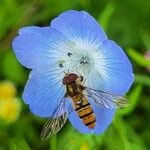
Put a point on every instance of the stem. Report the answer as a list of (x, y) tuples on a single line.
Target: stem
[(53, 143)]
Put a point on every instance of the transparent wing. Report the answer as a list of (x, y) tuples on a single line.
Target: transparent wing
[(55, 123), (106, 99)]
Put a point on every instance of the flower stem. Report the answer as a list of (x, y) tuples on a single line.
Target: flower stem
[(53, 142)]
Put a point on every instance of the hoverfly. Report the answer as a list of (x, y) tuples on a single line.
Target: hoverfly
[(78, 94)]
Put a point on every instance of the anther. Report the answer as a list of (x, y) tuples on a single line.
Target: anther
[(61, 65), (69, 54), (83, 62)]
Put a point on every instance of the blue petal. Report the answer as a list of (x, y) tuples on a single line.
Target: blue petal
[(44, 92), (79, 27), (103, 119), (114, 70), (38, 47)]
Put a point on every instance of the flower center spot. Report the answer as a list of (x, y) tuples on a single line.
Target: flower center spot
[(84, 60), (69, 54), (61, 63)]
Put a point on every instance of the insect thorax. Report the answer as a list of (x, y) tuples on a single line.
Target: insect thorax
[(74, 91)]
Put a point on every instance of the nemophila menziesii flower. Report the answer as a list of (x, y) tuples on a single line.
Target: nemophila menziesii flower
[(73, 43)]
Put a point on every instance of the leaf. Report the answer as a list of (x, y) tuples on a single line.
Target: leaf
[(12, 69), (133, 101), (146, 40), (18, 144), (138, 58), (106, 15), (126, 135), (142, 79)]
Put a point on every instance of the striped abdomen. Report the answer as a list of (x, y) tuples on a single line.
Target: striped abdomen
[(85, 112)]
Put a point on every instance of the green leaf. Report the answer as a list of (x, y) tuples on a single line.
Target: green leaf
[(146, 40), (18, 144), (133, 101), (126, 137), (142, 79), (12, 69), (138, 58), (106, 15), (116, 134)]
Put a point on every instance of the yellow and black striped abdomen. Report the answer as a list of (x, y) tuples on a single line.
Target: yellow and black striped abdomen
[(85, 112)]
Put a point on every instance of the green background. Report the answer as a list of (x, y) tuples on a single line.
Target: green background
[(125, 21)]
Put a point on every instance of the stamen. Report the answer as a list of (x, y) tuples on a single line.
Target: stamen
[(84, 60), (69, 54), (61, 65)]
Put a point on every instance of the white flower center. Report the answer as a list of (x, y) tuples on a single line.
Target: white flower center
[(86, 59), (80, 59)]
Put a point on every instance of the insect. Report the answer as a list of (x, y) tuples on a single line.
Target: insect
[(79, 94)]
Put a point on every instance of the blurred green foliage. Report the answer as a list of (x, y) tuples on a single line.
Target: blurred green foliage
[(127, 22)]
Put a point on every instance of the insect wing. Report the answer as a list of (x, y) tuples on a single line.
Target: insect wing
[(106, 99), (55, 123)]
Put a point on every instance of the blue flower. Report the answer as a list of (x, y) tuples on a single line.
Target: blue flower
[(74, 41)]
